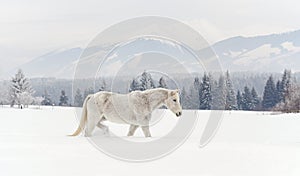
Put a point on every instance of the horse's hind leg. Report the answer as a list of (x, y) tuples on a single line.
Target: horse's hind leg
[(91, 124), (132, 129), (103, 127), (146, 131)]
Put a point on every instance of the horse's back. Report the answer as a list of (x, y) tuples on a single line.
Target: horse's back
[(114, 106)]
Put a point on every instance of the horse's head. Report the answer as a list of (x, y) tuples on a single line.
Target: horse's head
[(172, 102)]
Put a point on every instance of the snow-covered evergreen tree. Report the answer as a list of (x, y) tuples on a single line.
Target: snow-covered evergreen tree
[(38, 101), (4, 95), (269, 95), (278, 92), (194, 99), (63, 100), (255, 98), (78, 99), (20, 90), (219, 94), (143, 82), (135, 85), (146, 81), (247, 101), (292, 101), (205, 93), (230, 102), (185, 99), (197, 84), (87, 92), (285, 85), (162, 83), (46, 99), (239, 100), (214, 94), (25, 98), (102, 85)]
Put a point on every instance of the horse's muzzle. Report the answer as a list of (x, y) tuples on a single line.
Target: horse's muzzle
[(178, 114)]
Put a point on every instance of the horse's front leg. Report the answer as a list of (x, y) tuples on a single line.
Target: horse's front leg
[(145, 126), (103, 127), (132, 129)]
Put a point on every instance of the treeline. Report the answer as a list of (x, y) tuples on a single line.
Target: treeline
[(273, 94), (77, 100), (207, 92), (212, 94), (281, 95), (19, 91), (142, 82)]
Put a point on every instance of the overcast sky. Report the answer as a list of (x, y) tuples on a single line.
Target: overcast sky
[(29, 28)]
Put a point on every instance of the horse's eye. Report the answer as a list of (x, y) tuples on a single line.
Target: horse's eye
[(174, 100)]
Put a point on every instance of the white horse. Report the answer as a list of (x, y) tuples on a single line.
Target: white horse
[(134, 109)]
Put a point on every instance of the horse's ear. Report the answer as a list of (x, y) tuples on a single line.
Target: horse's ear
[(174, 92)]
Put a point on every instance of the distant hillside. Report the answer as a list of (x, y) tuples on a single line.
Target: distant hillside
[(54, 64), (267, 53)]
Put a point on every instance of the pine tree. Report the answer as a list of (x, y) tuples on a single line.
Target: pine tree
[(4, 96), (194, 99), (135, 85), (269, 95), (292, 101), (205, 93), (230, 102), (78, 99), (197, 84), (38, 101), (278, 92), (285, 85), (247, 101), (219, 97), (185, 99), (214, 94), (143, 82), (239, 100), (147, 81), (25, 98), (162, 83), (63, 100), (20, 90), (255, 98), (102, 86), (46, 99), (87, 92)]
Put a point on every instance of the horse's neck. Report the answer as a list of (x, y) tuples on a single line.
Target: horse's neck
[(156, 98)]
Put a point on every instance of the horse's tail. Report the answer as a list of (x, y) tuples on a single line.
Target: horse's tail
[(83, 117)]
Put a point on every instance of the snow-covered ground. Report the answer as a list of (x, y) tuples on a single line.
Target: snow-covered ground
[(34, 142)]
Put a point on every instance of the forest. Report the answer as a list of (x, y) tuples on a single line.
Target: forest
[(209, 91)]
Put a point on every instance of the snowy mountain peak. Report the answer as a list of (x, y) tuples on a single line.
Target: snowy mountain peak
[(265, 53), (270, 53)]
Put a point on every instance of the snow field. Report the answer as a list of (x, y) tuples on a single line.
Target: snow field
[(34, 142)]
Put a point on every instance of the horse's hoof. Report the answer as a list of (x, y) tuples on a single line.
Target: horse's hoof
[(87, 135)]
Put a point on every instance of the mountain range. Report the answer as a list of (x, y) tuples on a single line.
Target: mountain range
[(265, 53)]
